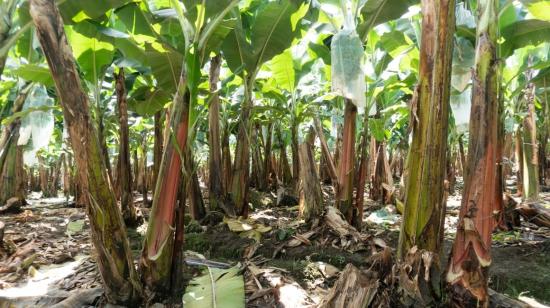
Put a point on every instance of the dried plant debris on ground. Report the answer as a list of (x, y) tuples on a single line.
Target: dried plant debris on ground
[(46, 257)]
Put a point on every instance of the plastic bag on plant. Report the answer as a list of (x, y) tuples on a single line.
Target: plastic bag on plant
[(348, 77), (37, 126)]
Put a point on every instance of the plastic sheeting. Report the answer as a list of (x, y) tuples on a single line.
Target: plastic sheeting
[(37, 126), (348, 77)]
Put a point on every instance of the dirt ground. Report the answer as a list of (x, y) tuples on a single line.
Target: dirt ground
[(47, 256)]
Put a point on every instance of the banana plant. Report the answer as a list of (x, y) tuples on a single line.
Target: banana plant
[(424, 207), (351, 22), (470, 257), (259, 36), (12, 26), (296, 82), (162, 251), (522, 106)]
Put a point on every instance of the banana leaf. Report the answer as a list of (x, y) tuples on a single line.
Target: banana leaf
[(216, 288)]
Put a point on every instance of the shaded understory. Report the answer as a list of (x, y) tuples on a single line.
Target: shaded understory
[(61, 259)]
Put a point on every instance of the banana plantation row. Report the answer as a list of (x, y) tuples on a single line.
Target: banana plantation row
[(283, 96)]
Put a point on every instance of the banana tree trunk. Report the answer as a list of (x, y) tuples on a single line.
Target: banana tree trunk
[(346, 168), (124, 172), (338, 146), (499, 210), (196, 203), (21, 178), (284, 167), (451, 173), (66, 177), (267, 157), (7, 133), (519, 160), (543, 142), (295, 153), (424, 206), (508, 153), (135, 169), (381, 177), (114, 257), (331, 168), (43, 175), (462, 153), (241, 166), (257, 178), (311, 196), (546, 134), (156, 256), (54, 177), (10, 174), (32, 179), (471, 253), (226, 162), (215, 185), (157, 147), (179, 240), (530, 150), (103, 144), (143, 171), (546, 163), (362, 174)]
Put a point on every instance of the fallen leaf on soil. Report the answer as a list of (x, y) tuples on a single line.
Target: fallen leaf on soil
[(326, 269), (247, 227), (74, 227), (300, 239), (353, 289)]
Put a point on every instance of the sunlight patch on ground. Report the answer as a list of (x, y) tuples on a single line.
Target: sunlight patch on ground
[(453, 202), (265, 214), (43, 279), (386, 215), (35, 199), (290, 294), (451, 221)]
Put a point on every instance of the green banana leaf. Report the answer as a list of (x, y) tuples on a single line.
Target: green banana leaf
[(216, 288)]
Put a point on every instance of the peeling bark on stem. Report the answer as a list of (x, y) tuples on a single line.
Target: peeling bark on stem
[(11, 160), (124, 174), (346, 168), (326, 151), (196, 203), (226, 163), (11, 173), (426, 163), (311, 200), (114, 256), (215, 185), (470, 259), (158, 247), (425, 197), (157, 147), (295, 154), (363, 168), (6, 135), (241, 166), (285, 175), (530, 150), (267, 157), (463, 160), (179, 239)]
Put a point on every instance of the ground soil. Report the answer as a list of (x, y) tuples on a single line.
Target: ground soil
[(62, 260)]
